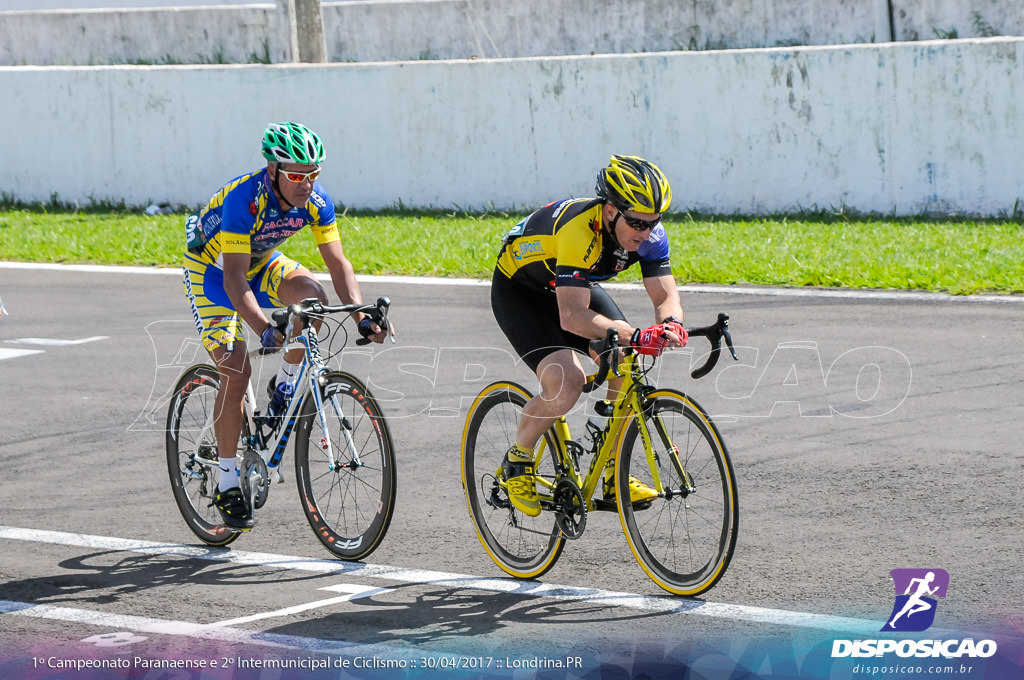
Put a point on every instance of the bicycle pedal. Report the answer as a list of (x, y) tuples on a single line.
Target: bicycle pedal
[(608, 505)]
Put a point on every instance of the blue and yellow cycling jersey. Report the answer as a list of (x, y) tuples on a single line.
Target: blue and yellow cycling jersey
[(565, 244), (245, 217)]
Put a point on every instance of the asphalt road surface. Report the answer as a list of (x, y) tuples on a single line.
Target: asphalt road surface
[(869, 433)]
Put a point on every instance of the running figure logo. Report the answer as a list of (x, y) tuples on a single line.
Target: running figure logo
[(914, 609)]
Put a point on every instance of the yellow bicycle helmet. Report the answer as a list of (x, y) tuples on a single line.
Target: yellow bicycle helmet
[(631, 183)]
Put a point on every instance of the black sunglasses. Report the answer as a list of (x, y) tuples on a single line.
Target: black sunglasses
[(639, 224)]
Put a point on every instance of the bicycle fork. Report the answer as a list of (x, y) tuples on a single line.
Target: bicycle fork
[(670, 450), (346, 431)]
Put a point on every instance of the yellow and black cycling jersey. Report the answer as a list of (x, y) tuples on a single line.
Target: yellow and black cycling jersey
[(565, 244)]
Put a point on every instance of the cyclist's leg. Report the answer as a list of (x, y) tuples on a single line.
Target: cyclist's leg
[(282, 282), (234, 369), (222, 334), (530, 320), (561, 379)]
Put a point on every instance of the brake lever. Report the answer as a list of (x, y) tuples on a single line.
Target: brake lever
[(609, 354), (383, 305), (728, 343), (719, 330), (613, 353)]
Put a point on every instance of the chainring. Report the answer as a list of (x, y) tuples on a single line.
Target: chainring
[(254, 479), (570, 509)]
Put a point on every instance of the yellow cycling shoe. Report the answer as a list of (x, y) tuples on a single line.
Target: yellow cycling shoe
[(520, 483), (638, 491)]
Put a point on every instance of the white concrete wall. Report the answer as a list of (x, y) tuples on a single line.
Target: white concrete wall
[(928, 19), (902, 127), (187, 35), (452, 29), (361, 31)]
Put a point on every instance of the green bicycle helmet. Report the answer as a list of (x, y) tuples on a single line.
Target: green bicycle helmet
[(631, 183), (292, 143)]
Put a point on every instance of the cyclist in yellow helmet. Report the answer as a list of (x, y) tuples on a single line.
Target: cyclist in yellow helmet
[(233, 270), (547, 298)]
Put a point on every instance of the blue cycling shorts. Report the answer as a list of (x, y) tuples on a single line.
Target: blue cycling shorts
[(216, 319)]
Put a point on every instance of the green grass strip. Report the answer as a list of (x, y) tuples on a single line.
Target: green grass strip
[(959, 256)]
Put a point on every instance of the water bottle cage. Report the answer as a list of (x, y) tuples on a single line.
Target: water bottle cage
[(595, 433)]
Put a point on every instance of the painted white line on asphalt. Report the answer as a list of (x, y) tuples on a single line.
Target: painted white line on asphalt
[(54, 342), (90, 268), (838, 293), (140, 624), (353, 592), (757, 615), (13, 353)]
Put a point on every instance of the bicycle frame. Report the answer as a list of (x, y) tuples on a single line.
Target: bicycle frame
[(271, 445), (346, 489), (630, 401), (679, 524)]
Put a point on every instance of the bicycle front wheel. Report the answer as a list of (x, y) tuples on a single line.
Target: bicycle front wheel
[(347, 487), (685, 538), (523, 546), (192, 454)]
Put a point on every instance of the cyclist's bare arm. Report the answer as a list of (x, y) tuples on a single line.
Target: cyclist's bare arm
[(343, 277), (236, 265), (665, 297)]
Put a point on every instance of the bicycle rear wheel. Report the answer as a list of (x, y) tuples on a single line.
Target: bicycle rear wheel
[(192, 454), (349, 500), (684, 539), (523, 546)]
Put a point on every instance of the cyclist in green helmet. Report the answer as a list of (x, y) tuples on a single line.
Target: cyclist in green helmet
[(233, 271)]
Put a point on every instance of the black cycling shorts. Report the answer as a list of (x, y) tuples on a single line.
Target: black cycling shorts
[(529, 319)]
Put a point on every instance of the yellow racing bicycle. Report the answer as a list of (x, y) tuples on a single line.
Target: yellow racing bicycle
[(683, 539)]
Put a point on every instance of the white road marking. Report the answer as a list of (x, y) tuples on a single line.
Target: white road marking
[(13, 353), (841, 293), (757, 615), (354, 592), (140, 624), (53, 342)]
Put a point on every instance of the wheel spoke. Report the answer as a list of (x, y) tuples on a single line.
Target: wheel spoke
[(522, 546), (189, 439), (683, 542), (350, 506)]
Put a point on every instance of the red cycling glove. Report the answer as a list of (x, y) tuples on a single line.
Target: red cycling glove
[(650, 341), (678, 329)]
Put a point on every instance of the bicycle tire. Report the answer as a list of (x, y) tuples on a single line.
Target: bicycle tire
[(349, 505), (195, 485), (524, 547), (684, 543)]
